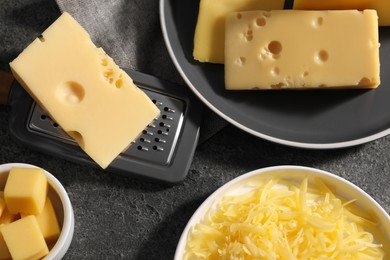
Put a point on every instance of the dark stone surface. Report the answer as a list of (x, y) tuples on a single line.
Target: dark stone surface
[(123, 218)]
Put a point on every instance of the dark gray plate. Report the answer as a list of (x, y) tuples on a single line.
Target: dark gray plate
[(310, 119)]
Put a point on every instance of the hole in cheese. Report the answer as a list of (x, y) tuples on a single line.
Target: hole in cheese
[(322, 56), (41, 38), (78, 137), (241, 61), (267, 14), (275, 47), (318, 22), (239, 16), (305, 74), (118, 83), (260, 22), (365, 82), (275, 71), (70, 92)]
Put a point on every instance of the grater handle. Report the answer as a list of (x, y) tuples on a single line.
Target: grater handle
[(6, 80)]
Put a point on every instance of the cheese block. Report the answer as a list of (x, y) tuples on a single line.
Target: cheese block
[(210, 28), (26, 190), (24, 239), (293, 49), (83, 90), (382, 7), (48, 222)]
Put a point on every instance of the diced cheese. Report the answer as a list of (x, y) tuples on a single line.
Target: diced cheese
[(25, 190), (83, 90), (4, 252), (24, 239), (7, 217), (210, 27), (48, 222), (277, 219), (2, 203), (382, 6), (293, 49)]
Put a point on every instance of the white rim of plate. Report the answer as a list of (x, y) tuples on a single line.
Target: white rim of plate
[(247, 129)]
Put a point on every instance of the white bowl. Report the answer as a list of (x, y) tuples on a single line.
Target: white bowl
[(61, 204), (340, 187)]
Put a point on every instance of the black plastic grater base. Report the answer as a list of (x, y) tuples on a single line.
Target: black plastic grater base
[(163, 152)]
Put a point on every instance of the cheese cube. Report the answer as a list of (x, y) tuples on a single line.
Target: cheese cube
[(7, 217), (210, 28), (382, 7), (24, 239), (4, 252), (83, 90), (292, 49), (25, 190), (2, 203), (48, 223)]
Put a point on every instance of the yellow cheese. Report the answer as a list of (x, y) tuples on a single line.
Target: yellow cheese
[(25, 190), (7, 217), (278, 219), (48, 223), (293, 49), (331, 4), (83, 90), (4, 252), (382, 6), (2, 203), (210, 27), (24, 239)]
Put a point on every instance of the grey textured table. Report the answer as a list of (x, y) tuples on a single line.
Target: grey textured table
[(123, 218)]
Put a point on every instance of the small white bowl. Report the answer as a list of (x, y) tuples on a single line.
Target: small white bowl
[(339, 186), (61, 204)]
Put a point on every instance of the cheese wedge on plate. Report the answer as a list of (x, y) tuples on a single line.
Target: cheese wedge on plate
[(210, 27), (382, 7), (293, 49), (83, 90)]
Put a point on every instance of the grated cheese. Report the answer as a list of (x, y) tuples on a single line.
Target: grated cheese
[(280, 220)]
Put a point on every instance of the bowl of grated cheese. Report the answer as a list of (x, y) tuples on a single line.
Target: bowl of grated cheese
[(287, 212)]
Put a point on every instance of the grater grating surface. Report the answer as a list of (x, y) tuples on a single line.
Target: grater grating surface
[(163, 152), (155, 144)]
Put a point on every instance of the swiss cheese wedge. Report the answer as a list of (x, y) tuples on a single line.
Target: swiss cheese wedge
[(83, 90)]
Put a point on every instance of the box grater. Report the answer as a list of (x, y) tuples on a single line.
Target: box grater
[(163, 152)]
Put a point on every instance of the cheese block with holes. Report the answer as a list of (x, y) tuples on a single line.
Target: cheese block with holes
[(382, 7), (292, 49), (210, 28), (83, 90)]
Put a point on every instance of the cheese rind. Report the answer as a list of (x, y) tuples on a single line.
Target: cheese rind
[(83, 90), (382, 7), (25, 190), (210, 28), (24, 239), (292, 49)]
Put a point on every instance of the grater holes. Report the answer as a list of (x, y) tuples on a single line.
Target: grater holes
[(43, 117), (142, 148), (168, 109), (158, 148), (55, 125), (162, 124), (165, 117)]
